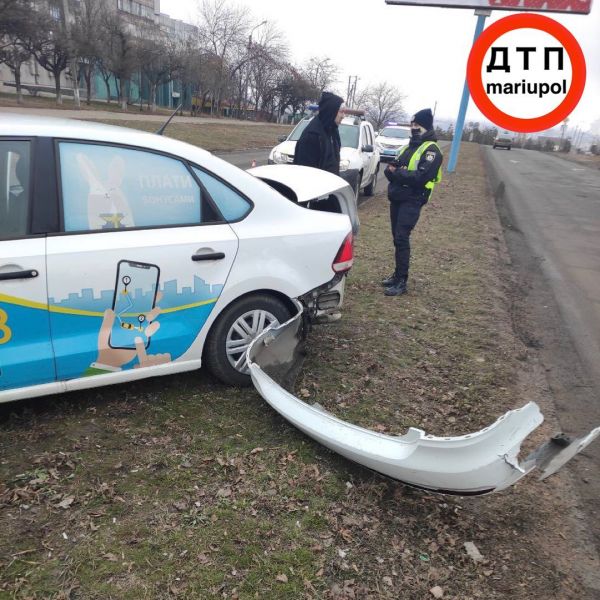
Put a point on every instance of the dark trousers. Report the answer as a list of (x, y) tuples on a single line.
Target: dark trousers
[(403, 217)]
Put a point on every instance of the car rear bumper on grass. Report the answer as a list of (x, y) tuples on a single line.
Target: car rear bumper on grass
[(478, 463)]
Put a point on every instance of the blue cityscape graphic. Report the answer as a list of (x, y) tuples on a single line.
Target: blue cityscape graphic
[(171, 298)]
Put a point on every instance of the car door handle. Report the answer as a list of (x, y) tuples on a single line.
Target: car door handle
[(19, 275), (208, 256)]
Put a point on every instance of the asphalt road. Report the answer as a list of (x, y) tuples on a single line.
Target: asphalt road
[(556, 205), (550, 209)]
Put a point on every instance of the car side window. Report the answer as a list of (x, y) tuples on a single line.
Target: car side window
[(233, 207), (110, 187), (15, 162)]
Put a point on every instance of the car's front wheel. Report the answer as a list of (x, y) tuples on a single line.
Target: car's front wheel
[(234, 330)]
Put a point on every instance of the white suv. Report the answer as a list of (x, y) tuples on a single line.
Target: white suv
[(359, 158)]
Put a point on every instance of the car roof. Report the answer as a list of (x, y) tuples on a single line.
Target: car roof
[(37, 126)]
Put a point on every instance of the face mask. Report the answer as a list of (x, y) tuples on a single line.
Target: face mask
[(415, 132)]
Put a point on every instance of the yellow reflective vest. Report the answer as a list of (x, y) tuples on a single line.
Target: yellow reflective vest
[(413, 163)]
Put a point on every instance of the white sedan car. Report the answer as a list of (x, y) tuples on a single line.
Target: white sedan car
[(390, 140), (125, 255)]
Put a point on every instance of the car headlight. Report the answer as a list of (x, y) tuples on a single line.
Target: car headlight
[(278, 157), (344, 164)]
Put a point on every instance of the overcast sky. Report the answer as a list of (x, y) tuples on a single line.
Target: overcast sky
[(423, 51)]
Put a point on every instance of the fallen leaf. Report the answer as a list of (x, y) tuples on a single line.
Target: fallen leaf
[(111, 557), (282, 577), (257, 450), (66, 502), (437, 592), (473, 552), (387, 581)]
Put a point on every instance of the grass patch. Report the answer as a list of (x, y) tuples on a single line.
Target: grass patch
[(178, 487), (214, 136)]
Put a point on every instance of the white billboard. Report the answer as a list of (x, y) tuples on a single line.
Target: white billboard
[(581, 7)]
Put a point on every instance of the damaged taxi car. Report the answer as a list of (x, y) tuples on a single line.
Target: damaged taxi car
[(476, 463), (126, 255)]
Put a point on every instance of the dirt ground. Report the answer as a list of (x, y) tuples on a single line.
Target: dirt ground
[(179, 487)]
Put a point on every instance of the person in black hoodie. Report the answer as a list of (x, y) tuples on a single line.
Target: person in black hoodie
[(412, 177), (319, 145)]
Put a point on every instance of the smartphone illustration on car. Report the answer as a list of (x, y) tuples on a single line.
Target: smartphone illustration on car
[(135, 296)]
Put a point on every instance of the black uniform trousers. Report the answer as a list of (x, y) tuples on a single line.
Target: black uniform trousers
[(404, 216)]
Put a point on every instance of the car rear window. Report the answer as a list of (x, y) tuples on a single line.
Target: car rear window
[(233, 207)]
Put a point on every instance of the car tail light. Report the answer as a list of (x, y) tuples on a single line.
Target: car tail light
[(345, 256)]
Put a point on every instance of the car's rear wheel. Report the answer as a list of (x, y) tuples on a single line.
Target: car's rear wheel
[(234, 330)]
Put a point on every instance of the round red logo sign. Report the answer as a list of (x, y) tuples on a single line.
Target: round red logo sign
[(526, 72)]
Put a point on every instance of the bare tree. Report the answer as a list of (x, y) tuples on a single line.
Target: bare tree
[(87, 39), (321, 72), (383, 103), (50, 44), (223, 32), (119, 55), (15, 34), (159, 60), (295, 91), (267, 65)]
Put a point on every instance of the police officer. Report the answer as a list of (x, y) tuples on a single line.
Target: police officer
[(412, 177)]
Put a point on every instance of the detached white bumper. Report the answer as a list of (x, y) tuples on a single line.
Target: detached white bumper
[(477, 463)]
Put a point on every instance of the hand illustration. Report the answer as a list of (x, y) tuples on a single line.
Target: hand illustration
[(117, 357)]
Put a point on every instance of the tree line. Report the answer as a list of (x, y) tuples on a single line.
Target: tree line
[(227, 60)]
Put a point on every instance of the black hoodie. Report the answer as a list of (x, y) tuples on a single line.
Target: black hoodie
[(410, 185), (319, 145)]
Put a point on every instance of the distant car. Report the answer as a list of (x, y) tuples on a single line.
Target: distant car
[(359, 158), (503, 140), (390, 139), (125, 255)]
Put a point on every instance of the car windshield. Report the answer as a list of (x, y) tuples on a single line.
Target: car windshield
[(295, 135), (392, 132), (348, 134)]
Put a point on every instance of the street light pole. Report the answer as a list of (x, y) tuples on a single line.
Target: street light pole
[(246, 82)]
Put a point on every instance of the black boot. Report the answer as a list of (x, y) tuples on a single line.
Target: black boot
[(393, 279), (398, 289)]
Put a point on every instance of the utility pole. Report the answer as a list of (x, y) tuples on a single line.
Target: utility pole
[(73, 61), (351, 93)]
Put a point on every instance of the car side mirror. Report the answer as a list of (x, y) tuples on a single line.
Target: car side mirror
[(367, 148), (282, 138)]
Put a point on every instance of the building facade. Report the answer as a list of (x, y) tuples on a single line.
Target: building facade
[(142, 17)]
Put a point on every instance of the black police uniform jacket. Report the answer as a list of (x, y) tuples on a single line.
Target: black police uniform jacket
[(319, 145), (407, 186)]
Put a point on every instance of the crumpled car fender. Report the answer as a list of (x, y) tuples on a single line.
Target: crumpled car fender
[(477, 463)]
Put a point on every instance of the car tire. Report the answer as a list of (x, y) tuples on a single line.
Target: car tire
[(494, 147), (508, 148), (254, 312), (370, 189)]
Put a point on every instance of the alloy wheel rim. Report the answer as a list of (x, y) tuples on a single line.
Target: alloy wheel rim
[(245, 329)]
